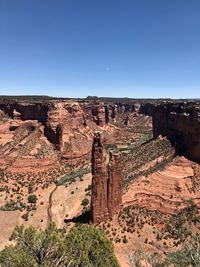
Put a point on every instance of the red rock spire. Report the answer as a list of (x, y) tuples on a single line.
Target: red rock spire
[(106, 190), (99, 210)]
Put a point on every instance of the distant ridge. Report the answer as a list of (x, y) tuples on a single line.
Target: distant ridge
[(47, 98)]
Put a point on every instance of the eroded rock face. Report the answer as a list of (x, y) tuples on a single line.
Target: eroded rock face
[(94, 111), (181, 121), (106, 188)]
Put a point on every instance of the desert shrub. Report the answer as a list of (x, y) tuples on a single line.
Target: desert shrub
[(85, 202), (82, 246), (30, 189), (25, 216), (88, 188), (32, 199), (125, 240)]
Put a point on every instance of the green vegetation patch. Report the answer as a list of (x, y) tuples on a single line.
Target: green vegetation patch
[(12, 205), (73, 175), (82, 246)]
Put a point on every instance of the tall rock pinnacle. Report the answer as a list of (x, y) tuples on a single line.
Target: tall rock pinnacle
[(106, 188)]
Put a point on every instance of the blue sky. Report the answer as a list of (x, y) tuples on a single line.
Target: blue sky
[(76, 48)]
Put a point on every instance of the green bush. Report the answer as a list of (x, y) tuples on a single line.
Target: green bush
[(32, 199), (85, 202)]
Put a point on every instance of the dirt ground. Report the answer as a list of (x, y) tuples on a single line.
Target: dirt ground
[(63, 203)]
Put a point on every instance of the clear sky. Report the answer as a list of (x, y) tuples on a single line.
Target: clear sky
[(76, 48)]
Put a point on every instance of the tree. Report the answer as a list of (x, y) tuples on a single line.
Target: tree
[(90, 247), (32, 198), (83, 246)]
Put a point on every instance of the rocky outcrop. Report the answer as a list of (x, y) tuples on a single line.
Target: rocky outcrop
[(181, 123), (99, 208), (106, 190)]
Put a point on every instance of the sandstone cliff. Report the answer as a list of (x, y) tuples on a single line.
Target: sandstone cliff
[(181, 122)]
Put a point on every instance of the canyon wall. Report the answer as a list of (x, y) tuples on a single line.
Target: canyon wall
[(68, 124), (106, 187), (181, 122)]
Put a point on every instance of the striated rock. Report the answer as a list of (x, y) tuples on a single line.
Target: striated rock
[(166, 190), (106, 190)]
